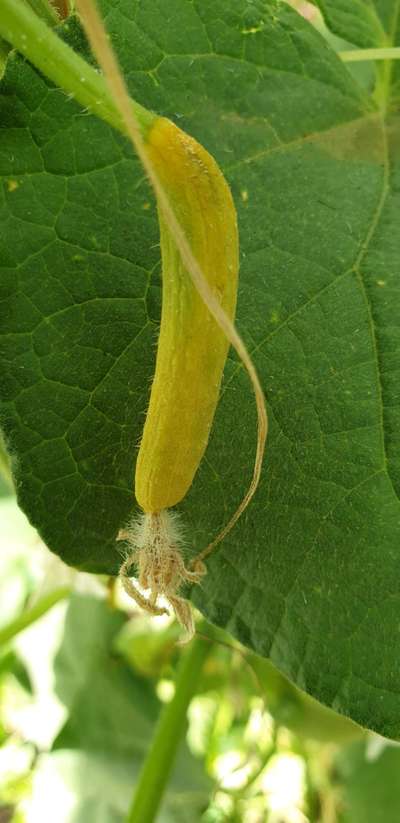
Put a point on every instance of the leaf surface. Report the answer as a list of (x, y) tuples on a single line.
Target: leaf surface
[(310, 575), (367, 778), (366, 23)]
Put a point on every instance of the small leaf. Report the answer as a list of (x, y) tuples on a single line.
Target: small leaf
[(148, 650)]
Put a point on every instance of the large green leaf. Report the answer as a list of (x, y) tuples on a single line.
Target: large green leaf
[(311, 574), (297, 711)]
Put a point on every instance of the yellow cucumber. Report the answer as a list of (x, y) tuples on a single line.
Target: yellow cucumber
[(197, 216), (192, 349)]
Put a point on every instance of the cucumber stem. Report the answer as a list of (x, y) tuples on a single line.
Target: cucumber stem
[(168, 735)]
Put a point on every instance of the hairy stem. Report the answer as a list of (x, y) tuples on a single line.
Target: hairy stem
[(21, 27), (32, 614), (168, 735), (44, 10)]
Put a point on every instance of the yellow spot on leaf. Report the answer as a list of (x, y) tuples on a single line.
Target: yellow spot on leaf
[(254, 29), (244, 195), (12, 185)]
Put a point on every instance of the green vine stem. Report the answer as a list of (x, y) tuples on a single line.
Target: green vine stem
[(359, 55), (168, 735), (21, 27), (32, 614)]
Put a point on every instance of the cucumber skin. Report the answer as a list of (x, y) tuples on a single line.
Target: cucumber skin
[(192, 349)]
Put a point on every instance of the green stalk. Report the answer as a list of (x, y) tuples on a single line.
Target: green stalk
[(44, 10), (30, 616), (21, 27), (383, 69), (358, 55), (167, 737)]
